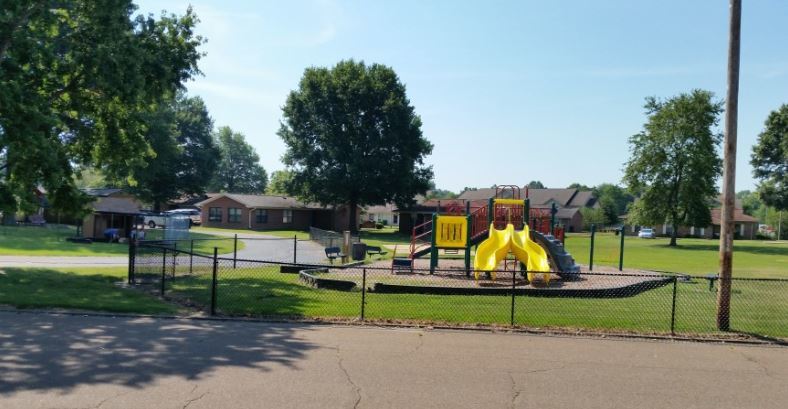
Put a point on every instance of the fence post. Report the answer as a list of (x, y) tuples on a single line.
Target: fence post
[(553, 211), (295, 249), (591, 254), (235, 249), (514, 282), (621, 249), (163, 270), (213, 280), (191, 256), (363, 292), (673, 307), (132, 259), (174, 258)]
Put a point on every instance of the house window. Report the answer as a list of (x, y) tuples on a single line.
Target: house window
[(261, 215), (234, 215), (395, 219), (215, 214), (287, 216)]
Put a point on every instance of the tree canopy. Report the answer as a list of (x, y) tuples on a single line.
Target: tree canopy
[(674, 162), (770, 160), (613, 200), (180, 133), (280, 183), (239, 169), (353, 138), (535, 184), (76, 79)]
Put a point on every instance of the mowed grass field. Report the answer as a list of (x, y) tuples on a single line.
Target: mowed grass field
[(76, 288), (751, 258), (759, 307), (51, 241)]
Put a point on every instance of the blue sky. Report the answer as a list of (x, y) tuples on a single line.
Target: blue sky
[(508, 91)]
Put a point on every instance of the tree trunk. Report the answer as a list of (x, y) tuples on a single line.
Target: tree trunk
[(674, 234), (351, 220)]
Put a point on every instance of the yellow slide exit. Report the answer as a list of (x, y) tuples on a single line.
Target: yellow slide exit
[(494, 249)]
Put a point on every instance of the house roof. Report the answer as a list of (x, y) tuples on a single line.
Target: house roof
[(387, 208), (562, 197), (738, 216), (120, 205), (567, 212), (192, 200), (264, 201), (583, 198), (101, 192), (478, 194)]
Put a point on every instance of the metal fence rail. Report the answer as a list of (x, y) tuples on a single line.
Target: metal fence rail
[(642, 303), (328, 238)]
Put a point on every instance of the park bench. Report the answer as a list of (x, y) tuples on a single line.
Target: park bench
[(333, 253), (375, 250)]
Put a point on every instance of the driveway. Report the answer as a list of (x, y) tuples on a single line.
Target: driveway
[(75, 361), (256, 247)]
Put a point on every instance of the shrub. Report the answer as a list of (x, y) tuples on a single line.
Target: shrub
[(379, 226)]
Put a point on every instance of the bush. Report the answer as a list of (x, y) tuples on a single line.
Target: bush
[(379, 226)]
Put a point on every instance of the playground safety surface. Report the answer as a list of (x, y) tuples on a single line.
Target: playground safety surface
[(451, 273)]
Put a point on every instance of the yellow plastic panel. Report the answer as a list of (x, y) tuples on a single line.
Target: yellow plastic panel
[(520, 202), (451, 231)]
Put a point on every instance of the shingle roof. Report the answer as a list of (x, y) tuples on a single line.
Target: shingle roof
[(738, 216), (562, 197), (121, 205), (265, 201), (583, 198)]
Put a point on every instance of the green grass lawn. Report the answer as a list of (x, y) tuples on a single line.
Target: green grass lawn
[(51, 241), (75, 288), (386, 237), (751, 258), (758, 307)]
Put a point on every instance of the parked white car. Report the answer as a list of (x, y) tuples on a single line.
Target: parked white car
[(194, 215), (646, 233), (154, 220)]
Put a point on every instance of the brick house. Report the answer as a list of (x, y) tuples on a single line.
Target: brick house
[(269, 212), (745, 226)]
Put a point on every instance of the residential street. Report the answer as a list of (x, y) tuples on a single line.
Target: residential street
[(73, 361)]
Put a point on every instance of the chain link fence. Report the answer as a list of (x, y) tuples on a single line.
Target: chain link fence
[(647, 303)]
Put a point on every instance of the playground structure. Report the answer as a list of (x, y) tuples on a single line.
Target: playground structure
[(505, 224)]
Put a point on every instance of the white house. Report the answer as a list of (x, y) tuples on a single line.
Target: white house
[(382, 214)]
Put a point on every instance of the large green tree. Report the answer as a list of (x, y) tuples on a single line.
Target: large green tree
[(77, 78), (180, 133), (770, 160), (674, 163), (613, 200), (239, 169), (280, 183), (353, 138)]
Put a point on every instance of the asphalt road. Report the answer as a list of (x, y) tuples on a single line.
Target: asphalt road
[(61, 361)]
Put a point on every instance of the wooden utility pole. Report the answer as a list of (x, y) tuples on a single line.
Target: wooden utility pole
[(729, 170)]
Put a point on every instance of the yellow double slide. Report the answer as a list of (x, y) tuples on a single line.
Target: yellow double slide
[(501, 242)]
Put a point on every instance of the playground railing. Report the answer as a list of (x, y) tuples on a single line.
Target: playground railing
[(600, 302)]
